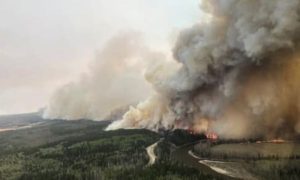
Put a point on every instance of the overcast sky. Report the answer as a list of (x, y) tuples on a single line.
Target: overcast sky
[(47, 43)]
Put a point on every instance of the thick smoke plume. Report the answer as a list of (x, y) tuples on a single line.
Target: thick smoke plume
[(114, 81), (237, 74)]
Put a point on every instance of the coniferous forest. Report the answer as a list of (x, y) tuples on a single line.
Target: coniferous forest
[(77, 150)]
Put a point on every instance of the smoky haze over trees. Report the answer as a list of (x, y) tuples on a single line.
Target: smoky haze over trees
[(234, 73), (228, 91), (237, 74)]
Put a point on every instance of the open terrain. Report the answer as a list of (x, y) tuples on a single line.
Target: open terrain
[(257, 150), (19, 121), (259, 160)]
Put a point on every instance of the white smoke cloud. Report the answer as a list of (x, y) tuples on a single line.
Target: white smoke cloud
[(115, 80)]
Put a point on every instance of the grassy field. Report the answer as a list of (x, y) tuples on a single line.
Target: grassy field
[(279, 161), (284, 169), (260, 150)]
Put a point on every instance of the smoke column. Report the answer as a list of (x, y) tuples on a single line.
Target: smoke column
[(114, 81), (236, 73)]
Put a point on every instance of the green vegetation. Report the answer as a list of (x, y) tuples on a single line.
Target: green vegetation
[(180, 137), (265, 160), (249, 151), (77, 150), (166, 163), (284, 169), (47, 133), (71, 150), (19, 120)]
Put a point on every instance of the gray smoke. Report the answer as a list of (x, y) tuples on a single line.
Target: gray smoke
[(115, 79), (236, 74)]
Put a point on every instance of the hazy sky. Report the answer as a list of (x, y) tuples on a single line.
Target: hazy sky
[(47, 43)]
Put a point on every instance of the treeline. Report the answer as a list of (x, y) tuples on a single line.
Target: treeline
[(205, 150), (262, 165), (80, 160), (275, 170), (168, 168), (180, 137), (84, 151)]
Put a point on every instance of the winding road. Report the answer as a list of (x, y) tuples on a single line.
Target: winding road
[(184, 154), (150, 151), (232, 169), (225, 170)]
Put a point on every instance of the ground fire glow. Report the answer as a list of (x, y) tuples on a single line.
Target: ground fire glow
[(212, 136), (236, 71)]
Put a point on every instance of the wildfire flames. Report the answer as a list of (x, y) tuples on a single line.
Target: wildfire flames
[(274, 141), (236, 74), (212, 136)]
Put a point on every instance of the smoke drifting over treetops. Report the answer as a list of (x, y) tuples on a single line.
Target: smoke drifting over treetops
[(236, 74)]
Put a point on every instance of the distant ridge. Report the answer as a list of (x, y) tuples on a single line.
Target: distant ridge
[(18, 120)]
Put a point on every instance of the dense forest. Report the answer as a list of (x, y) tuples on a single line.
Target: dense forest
[(277, 161), (83, 150), (78, 150)]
